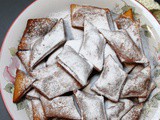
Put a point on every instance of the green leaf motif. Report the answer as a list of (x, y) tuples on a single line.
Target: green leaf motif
[(21, 105), (146, 29), (157, 96), (9, 88), (13, 51)]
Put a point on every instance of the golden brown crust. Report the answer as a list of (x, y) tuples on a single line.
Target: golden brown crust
[(128, 14), (22, 85), (90, 9), (35, 28)]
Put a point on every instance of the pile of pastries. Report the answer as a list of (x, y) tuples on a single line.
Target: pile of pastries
[(106, 76)]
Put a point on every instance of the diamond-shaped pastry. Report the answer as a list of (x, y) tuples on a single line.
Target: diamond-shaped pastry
[(93, 46), (95, 15), (35, 29), (60, 107), (137, 84), (91, 106), (124, 46), (77, 66), (111, 80), (47, 44), (58, 83), (23, 83)]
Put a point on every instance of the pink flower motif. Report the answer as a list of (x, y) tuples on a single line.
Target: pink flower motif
[(10, 71)]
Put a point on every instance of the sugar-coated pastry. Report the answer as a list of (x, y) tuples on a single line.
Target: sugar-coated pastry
[(33, 94), (110, 51), (134, 113), (124, 46), (137, 84), (60, 107), (38, 112), (24, 57), (111, 80), (77, 66), (47, 44), (93, 46), (96, 16), (22, 84), (58, 83), (91, 106), (115, 111), (35, 29), (152, 86)]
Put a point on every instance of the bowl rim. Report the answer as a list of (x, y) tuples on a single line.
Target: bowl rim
[(10, 113)]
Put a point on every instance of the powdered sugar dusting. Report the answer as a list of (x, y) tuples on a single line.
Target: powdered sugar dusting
[(110, 83), (116, 110), (91, 106), (136, 85), (59, 83), (75, 65), (48, 43), (93, 46), (61, 107)]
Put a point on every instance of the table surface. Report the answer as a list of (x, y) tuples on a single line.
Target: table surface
[(9, 10)]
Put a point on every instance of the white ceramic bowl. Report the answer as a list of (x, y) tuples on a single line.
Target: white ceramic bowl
[(43, 8)]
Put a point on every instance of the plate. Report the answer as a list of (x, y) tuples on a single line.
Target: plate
[(60, 8)]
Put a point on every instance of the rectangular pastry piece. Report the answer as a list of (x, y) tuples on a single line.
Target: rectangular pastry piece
[(115, 111), (23, 83), (110, 81), (60, 107), (137, 84), (77, 66), (96, 16), (93, 45), (91, 106), (58, 83), (124, 46), (47, 44), (35, 29)]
